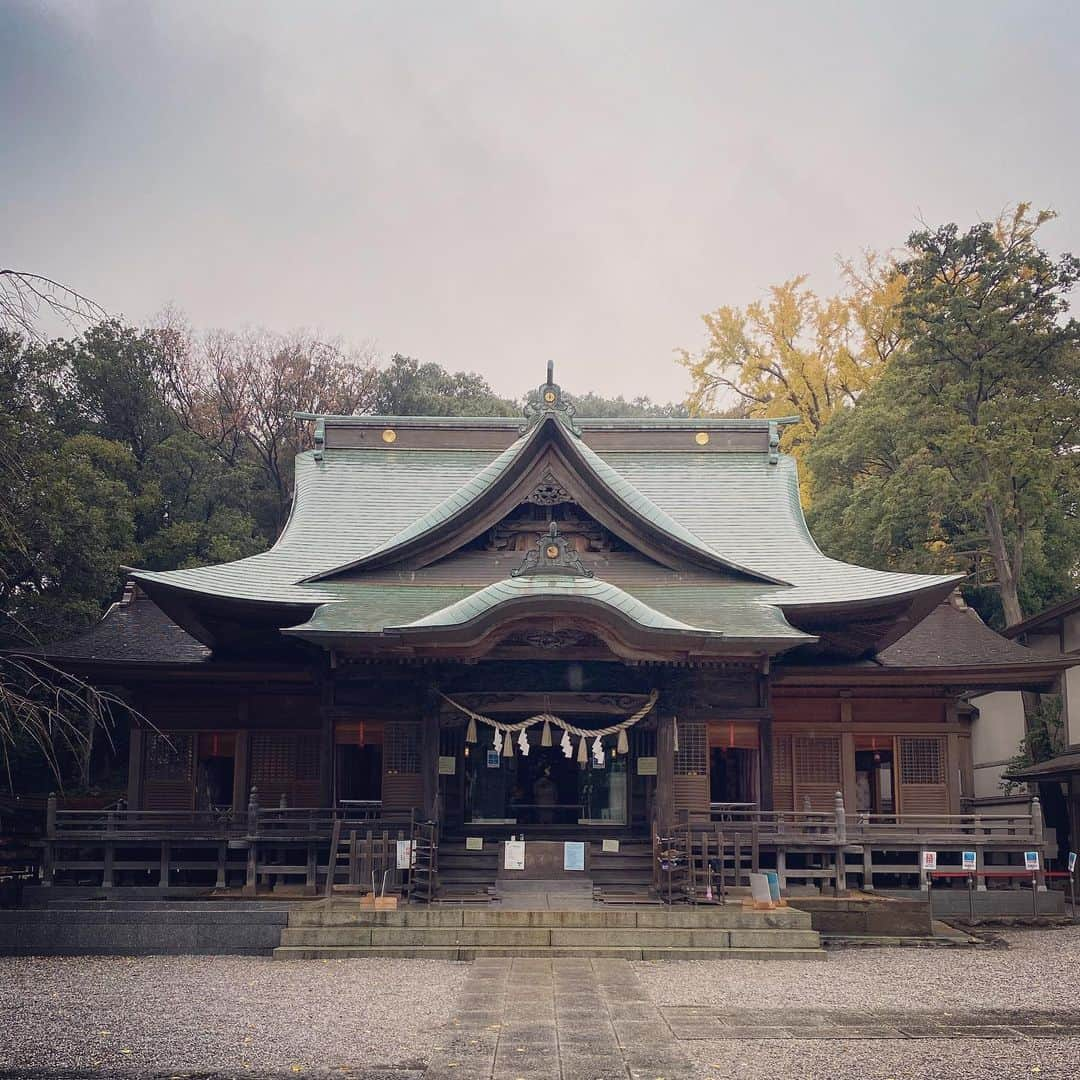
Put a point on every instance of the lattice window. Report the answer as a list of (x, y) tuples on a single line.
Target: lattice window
[(307, 758), (783, 787), (401, 752), (692, 758), (782, 760), (272, 759), (817, 760), (168, 757), (922, 760)]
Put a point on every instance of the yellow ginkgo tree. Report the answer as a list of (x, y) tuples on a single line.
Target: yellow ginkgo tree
[(796, 353)]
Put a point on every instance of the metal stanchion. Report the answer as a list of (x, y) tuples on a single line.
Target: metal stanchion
[(930, 898), (1035, 893), (971, 898), (1072, 890)]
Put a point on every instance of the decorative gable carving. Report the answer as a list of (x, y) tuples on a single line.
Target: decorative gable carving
[(552, 555), (549, 492)]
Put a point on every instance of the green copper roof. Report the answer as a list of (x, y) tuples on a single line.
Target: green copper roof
[(720, 610), (353, 502), (459, 503)]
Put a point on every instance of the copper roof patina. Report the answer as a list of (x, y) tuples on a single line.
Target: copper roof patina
[(713, 496)]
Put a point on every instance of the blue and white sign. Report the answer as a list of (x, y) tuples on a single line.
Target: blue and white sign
[(1031, 860), (493, 759), (967, 860), (573, 855), (1072, 862)]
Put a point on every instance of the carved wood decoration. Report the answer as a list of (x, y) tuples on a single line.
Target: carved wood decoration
[(549, 492), (565, 638), (549, 501), (552, 555)]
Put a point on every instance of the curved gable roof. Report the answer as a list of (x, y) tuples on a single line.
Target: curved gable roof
[(457, 514), (731, 509)]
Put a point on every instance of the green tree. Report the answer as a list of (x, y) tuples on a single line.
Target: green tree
[(406, 387), (600, 406), (968, 442)]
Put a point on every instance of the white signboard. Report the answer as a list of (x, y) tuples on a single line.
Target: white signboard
[(406, 856), (1072, 861), (646, 766), (1031, 860), (967, 860), (929, 860), (447, 765), (474, 843), (514, 855), (611, 846)]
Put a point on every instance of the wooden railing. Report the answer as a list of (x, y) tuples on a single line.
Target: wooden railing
[(827, 847)]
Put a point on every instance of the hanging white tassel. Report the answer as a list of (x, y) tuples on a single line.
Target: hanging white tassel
[(470, 731), (498, 741), (566, 744), (598, 751), (545, 738), (508, 746), (582, 752), (523, 743), (675, 729), (623, 745)]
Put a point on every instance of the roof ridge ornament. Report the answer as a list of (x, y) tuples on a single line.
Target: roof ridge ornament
[(549, 401), (553, 554)]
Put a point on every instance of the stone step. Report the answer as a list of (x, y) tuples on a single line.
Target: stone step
[(477, 952), (344, 913), (637, 938)]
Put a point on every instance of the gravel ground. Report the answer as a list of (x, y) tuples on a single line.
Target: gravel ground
[(1041, 970), (220, 1012)]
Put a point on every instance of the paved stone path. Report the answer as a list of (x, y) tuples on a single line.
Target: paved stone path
[(708, 1022), (559, 1019)]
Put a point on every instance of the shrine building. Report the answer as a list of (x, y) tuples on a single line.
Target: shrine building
[(552, 627)]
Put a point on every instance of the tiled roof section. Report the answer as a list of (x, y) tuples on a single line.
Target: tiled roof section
[(1048, 619), (746, 507), (135, 631), (721, 610), (457, 505), (1056, 768), (953, 636), (736, 505)]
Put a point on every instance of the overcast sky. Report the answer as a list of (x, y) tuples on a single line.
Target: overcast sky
[(492, 185)]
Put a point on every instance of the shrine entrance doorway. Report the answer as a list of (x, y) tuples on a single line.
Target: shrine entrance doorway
[(545, 787)]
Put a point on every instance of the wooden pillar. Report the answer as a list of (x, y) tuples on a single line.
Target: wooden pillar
[(326, 736), (429, 754), (765, 758), (108, 858), (847, 758), (664, 803), (240, 768), (48, 852), (166, 856), (135, 767)]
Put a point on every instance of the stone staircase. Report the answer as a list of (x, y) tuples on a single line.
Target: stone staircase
[(341, 929)]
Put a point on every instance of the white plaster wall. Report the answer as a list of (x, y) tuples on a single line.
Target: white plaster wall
[(995, 738)]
